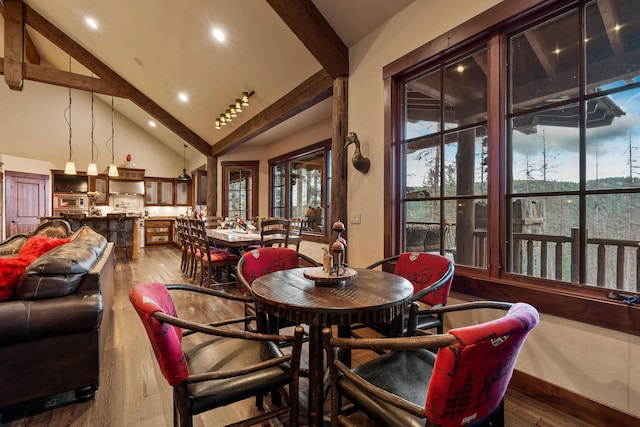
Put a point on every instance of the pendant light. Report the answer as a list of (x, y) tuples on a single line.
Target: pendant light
[(92, 169), (113, 170), (184, 176), (70, 167)]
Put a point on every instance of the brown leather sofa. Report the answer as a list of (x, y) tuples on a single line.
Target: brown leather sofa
[(52, 331)]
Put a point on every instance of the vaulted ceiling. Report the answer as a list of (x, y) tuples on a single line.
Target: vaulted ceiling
[(148, 51)]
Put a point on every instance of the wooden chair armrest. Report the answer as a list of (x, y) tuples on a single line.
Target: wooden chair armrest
[(208, 291)]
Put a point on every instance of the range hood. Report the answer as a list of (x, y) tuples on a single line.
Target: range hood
[(117, 186)]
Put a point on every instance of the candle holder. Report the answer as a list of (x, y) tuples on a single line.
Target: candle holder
[(339, 273)]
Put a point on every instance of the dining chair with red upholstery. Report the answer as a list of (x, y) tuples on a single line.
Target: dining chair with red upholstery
[(181, 225), (453, 379), (213, 365), (261, 261), (211, 259), (431, 276)]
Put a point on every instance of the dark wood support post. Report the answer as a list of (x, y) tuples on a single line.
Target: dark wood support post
[(212, 185), (339, 155), (13, 43)]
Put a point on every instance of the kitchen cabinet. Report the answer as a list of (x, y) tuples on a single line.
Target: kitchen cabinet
[(159, 191), (100, 183), (158, 231), (130, 174), (182, 193)]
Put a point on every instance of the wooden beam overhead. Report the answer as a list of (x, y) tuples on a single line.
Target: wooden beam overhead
[(30, 50), (13, 43), (308, 24), (313, 90)]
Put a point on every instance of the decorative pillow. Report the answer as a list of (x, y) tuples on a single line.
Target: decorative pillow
[(37, 246), (10, 271)]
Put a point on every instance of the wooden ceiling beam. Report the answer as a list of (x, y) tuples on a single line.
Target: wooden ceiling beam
[(313, 90), (308, 24), (609, 15), (13, 43), (30, 50)]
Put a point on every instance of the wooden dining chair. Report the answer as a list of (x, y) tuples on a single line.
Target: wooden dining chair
[(452, 379), (273, 232), (213, 365), (431, 276), (211, 259), (258, 262), (181, 225), (194, 252), (295, 233)]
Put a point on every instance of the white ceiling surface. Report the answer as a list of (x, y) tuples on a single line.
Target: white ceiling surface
[(163, 47)]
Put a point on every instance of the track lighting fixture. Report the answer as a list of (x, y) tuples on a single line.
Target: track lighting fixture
[(233, 110)]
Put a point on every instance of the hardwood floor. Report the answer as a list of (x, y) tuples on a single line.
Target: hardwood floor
[(134, 393)]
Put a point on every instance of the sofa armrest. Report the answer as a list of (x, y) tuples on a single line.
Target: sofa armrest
[(23, 320)]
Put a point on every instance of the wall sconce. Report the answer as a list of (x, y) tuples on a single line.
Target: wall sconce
[(233, 110)]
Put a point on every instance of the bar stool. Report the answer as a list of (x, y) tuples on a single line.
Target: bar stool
[(118, 233), (75, 220)]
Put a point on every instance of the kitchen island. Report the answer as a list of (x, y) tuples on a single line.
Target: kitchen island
[(102, 225)]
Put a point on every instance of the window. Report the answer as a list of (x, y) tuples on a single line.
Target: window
[(299, 184), (525, 140), (443, 148), (240, 189)]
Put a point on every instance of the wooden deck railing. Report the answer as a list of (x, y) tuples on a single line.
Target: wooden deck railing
[(556, 257), (565, 250)]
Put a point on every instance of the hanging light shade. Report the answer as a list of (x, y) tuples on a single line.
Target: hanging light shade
[(70, 166), (92, 169), (184, 176), (113, 170)]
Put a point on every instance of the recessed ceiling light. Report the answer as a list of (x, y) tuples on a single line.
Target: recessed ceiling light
[(183, 97), (218, 34), (91, 22), (152, 123)]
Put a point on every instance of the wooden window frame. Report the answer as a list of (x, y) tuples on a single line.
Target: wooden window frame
[(322, 146), (584, 304), (254, 166)]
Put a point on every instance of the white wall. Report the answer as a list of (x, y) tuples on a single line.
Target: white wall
[(33, 127), (597, 363)]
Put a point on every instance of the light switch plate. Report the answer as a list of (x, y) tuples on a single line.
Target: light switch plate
[(355, 218)]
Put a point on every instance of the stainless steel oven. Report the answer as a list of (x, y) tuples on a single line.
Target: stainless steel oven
[(70, 203)]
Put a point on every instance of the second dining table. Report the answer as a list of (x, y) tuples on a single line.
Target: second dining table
[(372, 296), (232, 239)]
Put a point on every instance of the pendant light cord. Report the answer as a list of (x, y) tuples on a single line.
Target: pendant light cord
[(111, 150), (68, 118), (93, 126)]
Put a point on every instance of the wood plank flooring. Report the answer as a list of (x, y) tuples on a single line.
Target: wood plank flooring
[(134, 393)]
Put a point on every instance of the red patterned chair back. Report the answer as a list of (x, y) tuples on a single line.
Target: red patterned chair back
[(423, 270), (470, 377), (261, 261), (148, 299)]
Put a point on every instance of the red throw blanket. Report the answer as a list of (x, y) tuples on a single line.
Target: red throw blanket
[(12, 268)]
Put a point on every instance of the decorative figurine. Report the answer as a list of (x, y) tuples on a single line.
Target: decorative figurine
[(360, 162)]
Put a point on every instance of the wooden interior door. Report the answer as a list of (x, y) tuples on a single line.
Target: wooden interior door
[(27, 197)]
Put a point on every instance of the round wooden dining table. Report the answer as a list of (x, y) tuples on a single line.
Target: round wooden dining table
[(372, 296)]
